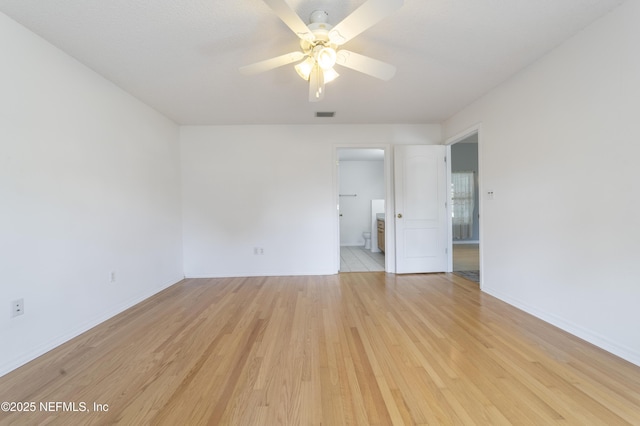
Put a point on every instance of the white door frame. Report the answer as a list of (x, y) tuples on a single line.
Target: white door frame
[(476, 128), (389, 204)]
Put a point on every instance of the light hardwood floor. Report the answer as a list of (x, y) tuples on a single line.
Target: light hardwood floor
[(358, 348)]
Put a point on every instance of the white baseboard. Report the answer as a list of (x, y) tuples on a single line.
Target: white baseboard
[(239, 274), (466, 242), (46, 347), (600, 341)]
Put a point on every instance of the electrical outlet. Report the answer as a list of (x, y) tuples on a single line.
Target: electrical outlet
[(112, 276), (17, 308), (258, 250)]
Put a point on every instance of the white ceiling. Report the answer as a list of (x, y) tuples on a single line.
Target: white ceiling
[(182, 56)]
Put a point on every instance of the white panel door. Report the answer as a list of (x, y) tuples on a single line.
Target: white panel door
[(421, 212)]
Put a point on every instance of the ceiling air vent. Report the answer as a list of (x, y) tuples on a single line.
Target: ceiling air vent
[(328, 114)]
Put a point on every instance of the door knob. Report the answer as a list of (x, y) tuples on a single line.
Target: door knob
[(399, 215)]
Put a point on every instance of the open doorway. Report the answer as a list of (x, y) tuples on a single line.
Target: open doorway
[(361, 198), (465, 207)]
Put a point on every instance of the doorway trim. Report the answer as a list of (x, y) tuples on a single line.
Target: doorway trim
[(474, 129), (389, 204)]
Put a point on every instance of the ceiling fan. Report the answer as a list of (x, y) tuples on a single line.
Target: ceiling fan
[(320, 43)]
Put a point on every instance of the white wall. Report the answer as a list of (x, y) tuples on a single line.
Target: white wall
[(272, 187), (366, 180), (559, 147), (89, 184)]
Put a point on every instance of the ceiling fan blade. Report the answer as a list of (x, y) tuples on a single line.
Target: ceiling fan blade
[(364, 17), (291, 19), (365, 64), (269, 64)]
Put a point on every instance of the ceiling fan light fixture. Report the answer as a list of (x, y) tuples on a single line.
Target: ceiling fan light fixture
[(304, 68), (326, 58), (320, 41), (304, 71)]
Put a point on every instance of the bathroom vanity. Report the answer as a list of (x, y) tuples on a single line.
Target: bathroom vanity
[(380, 233)]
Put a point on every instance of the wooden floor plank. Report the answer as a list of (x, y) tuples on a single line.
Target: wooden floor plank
[(357, 348)]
